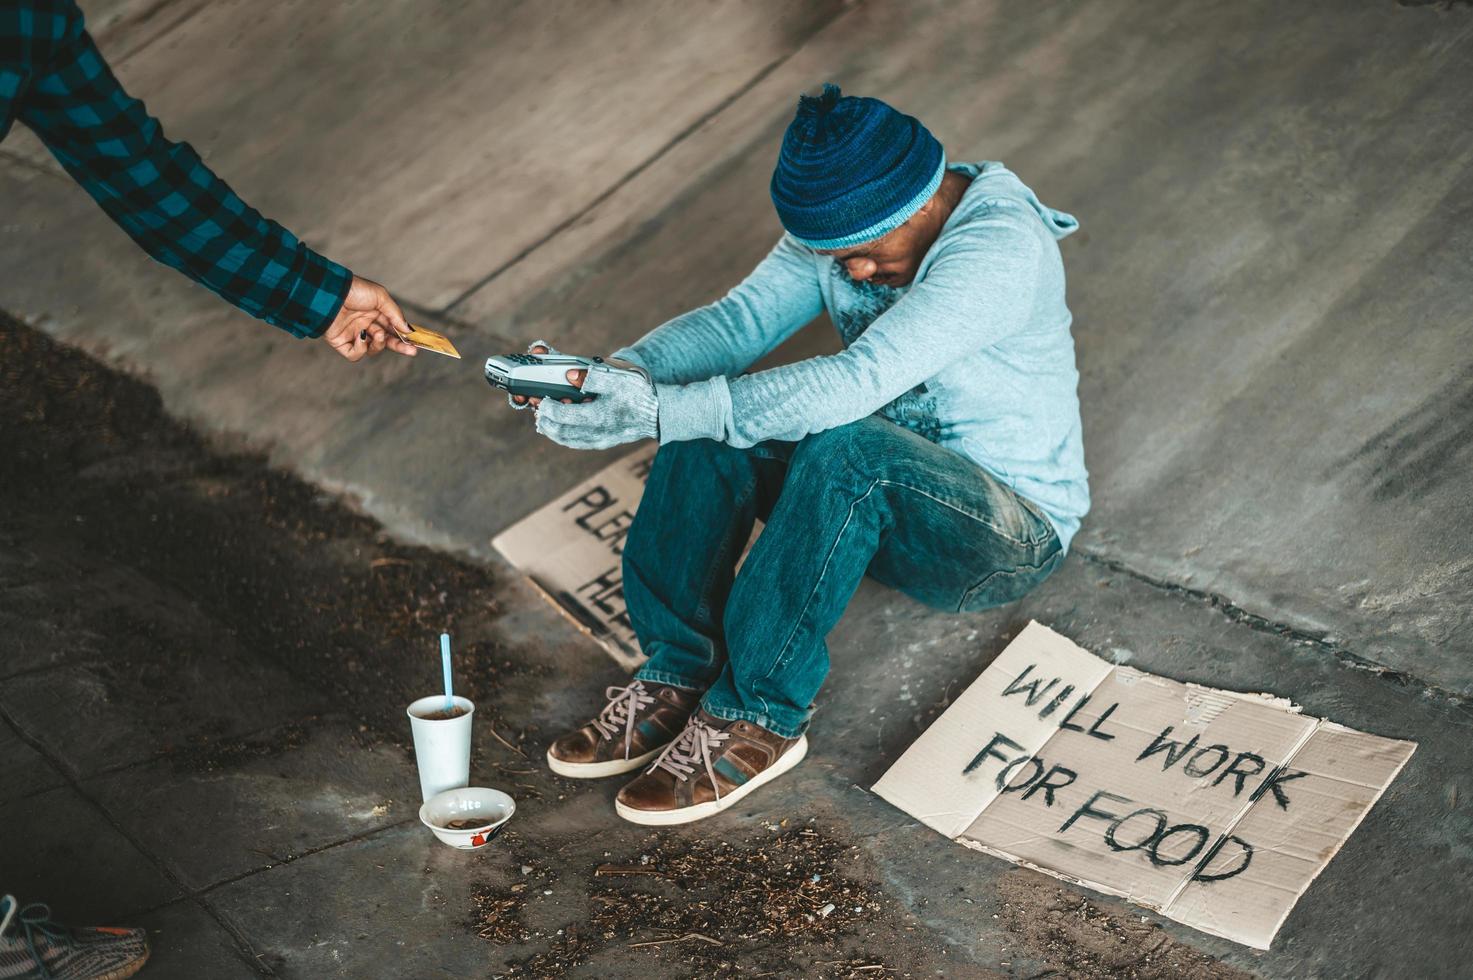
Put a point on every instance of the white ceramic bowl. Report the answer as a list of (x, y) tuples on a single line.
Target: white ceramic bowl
[(490, 808)]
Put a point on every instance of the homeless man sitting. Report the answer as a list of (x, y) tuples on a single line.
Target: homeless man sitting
[(940, 451)]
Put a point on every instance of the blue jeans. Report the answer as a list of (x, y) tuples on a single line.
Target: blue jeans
[(865, 497)]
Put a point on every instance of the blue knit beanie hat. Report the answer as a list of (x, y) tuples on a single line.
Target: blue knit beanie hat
[(851, 170)]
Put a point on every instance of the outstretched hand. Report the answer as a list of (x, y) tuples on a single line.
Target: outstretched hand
[(367, 323)]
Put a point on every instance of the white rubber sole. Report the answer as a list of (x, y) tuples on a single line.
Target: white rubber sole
[(700, 811), (598, 770)]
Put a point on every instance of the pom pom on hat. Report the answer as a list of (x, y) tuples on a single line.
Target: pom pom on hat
[(851, 170)]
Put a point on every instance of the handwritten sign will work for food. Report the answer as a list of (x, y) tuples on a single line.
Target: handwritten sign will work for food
[(1218, 809)]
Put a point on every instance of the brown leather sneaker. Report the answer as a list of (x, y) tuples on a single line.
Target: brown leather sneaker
[(711, 766), (633, 727)]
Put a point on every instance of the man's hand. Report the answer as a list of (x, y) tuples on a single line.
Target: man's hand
[(575, 378), (366, 323), (626, 409)]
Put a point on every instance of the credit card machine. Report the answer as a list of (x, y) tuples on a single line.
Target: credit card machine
[(538, 375)]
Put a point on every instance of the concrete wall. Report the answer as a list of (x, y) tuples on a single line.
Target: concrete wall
[(1271, 288)]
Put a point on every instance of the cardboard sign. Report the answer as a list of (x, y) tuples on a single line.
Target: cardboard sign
[(1215, 808), (572, 551)]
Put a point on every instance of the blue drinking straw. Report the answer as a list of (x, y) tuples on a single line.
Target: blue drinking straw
[(445, 664)]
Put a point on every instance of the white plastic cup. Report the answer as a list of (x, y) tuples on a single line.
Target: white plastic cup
[(442, 749)]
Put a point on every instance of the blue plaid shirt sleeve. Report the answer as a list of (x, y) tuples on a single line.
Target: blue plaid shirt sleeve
[(159, 191)]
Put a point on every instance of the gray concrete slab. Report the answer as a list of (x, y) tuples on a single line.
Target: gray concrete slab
[(187, 942), (1241, 273), (124, 27), (23, 770), (392, 904), (1293, 309), (66, 605), (28, 580), (100, 720), (59, 848), (267, 800), (490, 125), (104, 665), (113, 712)]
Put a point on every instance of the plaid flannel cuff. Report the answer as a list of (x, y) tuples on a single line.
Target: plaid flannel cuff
[(314, 299)]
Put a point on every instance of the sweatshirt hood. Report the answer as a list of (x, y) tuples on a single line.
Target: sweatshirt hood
[(991, 180)]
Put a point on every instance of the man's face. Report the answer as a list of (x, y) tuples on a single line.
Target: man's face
[(893, 259)]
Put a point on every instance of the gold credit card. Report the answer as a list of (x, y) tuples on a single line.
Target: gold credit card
[(426, 339)]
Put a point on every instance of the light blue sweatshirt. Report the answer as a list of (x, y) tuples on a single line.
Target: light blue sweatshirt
[(974, 355)]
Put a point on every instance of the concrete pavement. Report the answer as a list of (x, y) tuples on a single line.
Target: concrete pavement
[(1271, 292)]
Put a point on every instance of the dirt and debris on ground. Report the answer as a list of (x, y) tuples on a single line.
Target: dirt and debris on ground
[(213, 755), (1081, 940), (784, 902), (497, 911), (93, 466)]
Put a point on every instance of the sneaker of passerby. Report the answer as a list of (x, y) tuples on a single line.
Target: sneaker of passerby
[(33, 947)]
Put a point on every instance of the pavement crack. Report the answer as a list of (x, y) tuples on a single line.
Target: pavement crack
[(1262, 624), (440, 317), (579, 215), (158, 10), (242, 943), (278, 862), (12, 157)]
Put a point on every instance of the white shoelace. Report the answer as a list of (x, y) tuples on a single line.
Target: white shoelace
[(694, 745), (624, 704)]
